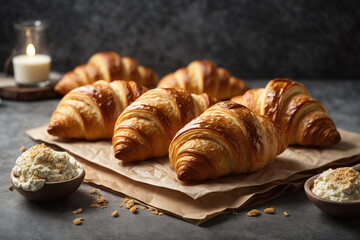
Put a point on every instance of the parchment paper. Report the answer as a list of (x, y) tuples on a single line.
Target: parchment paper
[(154, 181)]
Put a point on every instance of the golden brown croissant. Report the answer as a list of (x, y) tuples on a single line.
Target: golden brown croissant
[(203, 76), (90, 112), (107, 66), (227, 138), (145, 128), (303, 119)]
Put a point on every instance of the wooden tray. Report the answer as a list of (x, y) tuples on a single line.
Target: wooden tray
[(9, 90)]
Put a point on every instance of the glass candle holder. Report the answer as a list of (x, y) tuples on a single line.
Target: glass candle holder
[(31, 61)]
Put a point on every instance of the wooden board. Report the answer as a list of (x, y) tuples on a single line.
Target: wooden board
[(17, 93), (9, 90)]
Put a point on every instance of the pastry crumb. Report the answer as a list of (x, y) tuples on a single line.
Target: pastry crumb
[(78, 221), (99, 202), (126, 200), (253, 213), (286, 214), (270, 210), (142, 208), (11, 188), (115, 214), (130, 204), (133, 209), (94, 205), (234, 213), (77, 211), (154, 211), (121, 206), (93, 191), (101, 199), (22, 149)]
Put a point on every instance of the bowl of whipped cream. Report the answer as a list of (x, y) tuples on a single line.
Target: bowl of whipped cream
[(41, 174), (335, 191)]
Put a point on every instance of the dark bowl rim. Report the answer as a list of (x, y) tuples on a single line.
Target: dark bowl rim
[(53, 183), (307, 189)]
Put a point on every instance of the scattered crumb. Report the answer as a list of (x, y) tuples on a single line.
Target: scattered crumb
[(133, 209), (130, 204), (102, 202), (253, 213), (78, 221), (22, 149), (93, 191), (11, 188), (115, 214), (77, 211), (234, 213), (270, 210), (285, 214), (99, 202), (94, 205), (101, 199), (154, 211)]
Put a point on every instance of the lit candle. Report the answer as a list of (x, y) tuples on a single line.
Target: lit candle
[(32, 68)]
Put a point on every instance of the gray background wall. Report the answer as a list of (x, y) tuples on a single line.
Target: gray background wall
[(253, 39)]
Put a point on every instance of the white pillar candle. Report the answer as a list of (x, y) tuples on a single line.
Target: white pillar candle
[(29, 70)]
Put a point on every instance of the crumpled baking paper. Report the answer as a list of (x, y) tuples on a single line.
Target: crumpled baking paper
[(153, 182)]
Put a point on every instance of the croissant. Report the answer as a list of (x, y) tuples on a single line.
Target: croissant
[(204, 77), (107, 66), (227, 138), (90, 112), (303, 119), (145, 128)]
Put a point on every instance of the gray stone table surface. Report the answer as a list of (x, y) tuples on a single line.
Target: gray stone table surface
[(22, 219)]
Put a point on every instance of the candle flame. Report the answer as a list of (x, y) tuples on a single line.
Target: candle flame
[(30, 50)]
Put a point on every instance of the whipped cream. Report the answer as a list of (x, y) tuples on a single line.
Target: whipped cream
[(41, 164), (341, 185)]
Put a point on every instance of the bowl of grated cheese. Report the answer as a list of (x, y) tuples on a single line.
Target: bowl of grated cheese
[(335, 191), (41, 174)]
